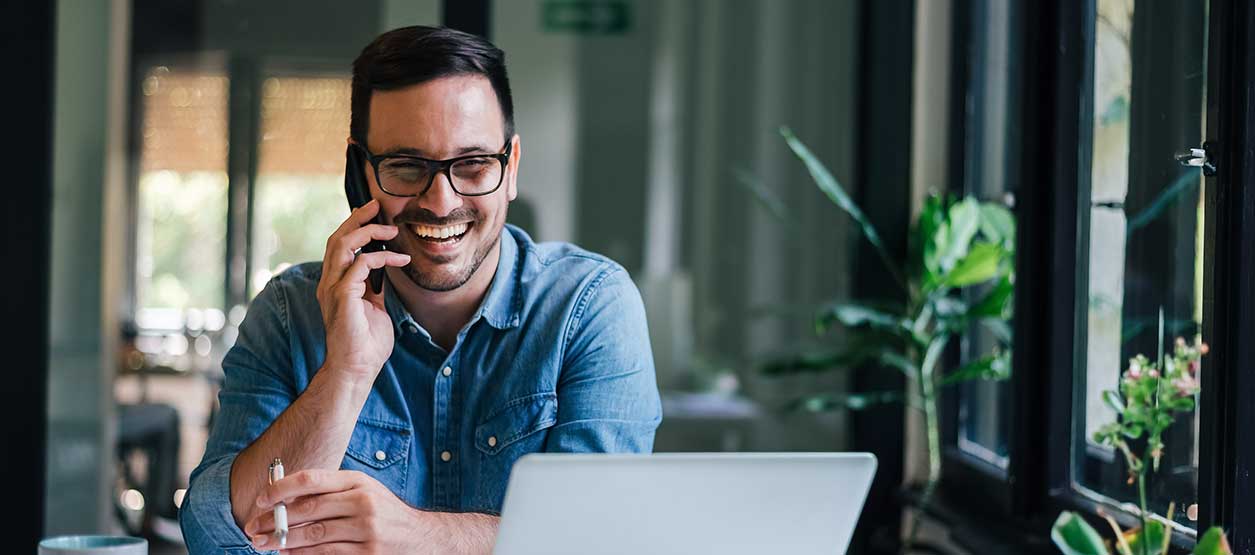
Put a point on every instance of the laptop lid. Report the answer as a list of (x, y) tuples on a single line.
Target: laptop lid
[(684, 503)]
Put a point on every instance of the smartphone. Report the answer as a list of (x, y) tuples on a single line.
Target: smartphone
[(358, 192)]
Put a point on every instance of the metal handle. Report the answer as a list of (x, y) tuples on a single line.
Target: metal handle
[(1196, 157)]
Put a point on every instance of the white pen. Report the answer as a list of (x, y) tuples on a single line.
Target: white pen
[(281, 510)]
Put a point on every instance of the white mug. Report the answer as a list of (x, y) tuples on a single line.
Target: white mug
[(93, 545)]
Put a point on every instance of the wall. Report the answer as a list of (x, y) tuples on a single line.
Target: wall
[(80, 411), (631, 143)]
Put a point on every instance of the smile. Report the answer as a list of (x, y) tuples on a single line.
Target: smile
[(441, 234)]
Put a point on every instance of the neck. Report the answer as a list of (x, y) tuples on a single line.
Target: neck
[(444, 313)]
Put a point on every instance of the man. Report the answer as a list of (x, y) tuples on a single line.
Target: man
[(398, 415)]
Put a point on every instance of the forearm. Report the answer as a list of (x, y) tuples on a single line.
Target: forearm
[(312, 433), (460, 533)]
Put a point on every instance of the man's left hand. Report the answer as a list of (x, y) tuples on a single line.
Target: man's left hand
[(337, 511)]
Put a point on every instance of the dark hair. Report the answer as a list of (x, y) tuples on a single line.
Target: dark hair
[(411, 55)]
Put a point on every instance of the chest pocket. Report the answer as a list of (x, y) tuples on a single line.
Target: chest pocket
[(380, 449), (516, 429)]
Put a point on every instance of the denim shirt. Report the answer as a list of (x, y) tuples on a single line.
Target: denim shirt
[(556, 359)]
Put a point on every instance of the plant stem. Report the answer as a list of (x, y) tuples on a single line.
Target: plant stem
[(928, 397), (1141, 492)]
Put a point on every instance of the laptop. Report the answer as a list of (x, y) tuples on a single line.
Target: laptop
[(684, 503)]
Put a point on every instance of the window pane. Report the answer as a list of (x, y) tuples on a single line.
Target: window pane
[(990, 163), (1145, 224), (182, 195), (300, 182)]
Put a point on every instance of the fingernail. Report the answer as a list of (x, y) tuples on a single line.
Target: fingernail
[(259, 540), (262, 501)]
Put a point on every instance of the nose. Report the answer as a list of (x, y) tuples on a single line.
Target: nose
[(440, 198)]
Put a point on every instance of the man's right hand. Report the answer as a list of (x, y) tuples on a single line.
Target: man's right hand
[(359, 330)]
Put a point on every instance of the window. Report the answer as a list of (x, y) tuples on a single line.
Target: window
[(299, 196), (1122, 250), (1145, 228), (180, 252), (989, 172)]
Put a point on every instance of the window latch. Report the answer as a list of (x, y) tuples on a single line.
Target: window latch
[(1197, 157)]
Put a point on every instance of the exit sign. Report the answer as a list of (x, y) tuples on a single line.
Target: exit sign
[(586, 17)]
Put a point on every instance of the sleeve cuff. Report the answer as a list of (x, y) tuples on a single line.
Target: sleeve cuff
[(205, 517)]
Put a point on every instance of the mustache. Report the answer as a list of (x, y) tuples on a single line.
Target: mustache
[(427, 217)]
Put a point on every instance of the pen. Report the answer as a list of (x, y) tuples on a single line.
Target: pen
[(281, 510)]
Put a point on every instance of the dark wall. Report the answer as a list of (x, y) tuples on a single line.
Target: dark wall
[(26, 53)]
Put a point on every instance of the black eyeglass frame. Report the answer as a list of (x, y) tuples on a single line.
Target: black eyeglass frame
[(442, 166)]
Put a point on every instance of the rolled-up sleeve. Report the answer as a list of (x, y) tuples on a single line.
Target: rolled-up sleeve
[(257, 387), (607, 393)]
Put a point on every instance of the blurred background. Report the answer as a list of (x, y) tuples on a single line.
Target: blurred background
[(197, 150)]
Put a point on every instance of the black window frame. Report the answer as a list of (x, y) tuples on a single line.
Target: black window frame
[(1017, 509)]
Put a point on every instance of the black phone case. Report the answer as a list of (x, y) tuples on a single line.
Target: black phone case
[(358, 193)]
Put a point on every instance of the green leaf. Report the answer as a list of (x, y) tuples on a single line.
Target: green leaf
[(1153, 536), (836, 193), (851, 401), (962, 222), (997, 224), (1213, 542), (1073, 536), (984, 368), (1113, 400), (864, 352), (980, 264), (931, 219), (997, 302), (860, 315)]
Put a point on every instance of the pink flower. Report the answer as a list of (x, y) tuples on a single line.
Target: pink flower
[(1203, 348), (1135, 370), (1186, 385), (1154, 373), (1194, 367)]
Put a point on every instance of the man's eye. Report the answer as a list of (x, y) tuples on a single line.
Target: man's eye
[(402, 166)]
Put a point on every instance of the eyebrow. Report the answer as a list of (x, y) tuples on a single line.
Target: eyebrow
[(410, 151)]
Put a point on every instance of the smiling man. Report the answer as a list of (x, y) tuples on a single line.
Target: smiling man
[(399, 414)]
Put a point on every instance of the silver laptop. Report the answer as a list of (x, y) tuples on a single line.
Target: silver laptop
[(682, 503)]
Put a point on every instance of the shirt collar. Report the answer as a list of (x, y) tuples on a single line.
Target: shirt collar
[(501, 306)]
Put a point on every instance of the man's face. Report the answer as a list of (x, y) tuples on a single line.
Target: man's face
[(441, 119)]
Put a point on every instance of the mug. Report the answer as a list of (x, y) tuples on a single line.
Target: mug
[(93, 545)]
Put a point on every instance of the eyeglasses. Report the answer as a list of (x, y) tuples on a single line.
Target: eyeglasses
[(403, 175)]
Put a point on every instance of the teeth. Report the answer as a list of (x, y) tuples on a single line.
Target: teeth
[(442, 232)]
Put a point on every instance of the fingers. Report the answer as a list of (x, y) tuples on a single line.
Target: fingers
[(319, 533), (325, 549), (306, 482), (304, 510), (354, 278), (341, 247)]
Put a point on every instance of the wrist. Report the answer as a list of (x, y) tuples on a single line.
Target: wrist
[(354, 382)]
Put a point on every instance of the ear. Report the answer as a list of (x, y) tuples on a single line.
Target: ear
[(512, 169)]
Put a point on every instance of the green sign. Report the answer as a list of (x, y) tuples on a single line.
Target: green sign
[(586, 17)]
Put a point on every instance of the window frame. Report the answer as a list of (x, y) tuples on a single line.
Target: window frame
[(1054, 173), (204, 60)]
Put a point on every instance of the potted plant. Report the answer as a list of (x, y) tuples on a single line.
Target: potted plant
[(1151, 395), (956, 246)]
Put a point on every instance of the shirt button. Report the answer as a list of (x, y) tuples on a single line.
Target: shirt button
[(447, 371), (446, 456), (492, 441), (380, 455), (410, 327)]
